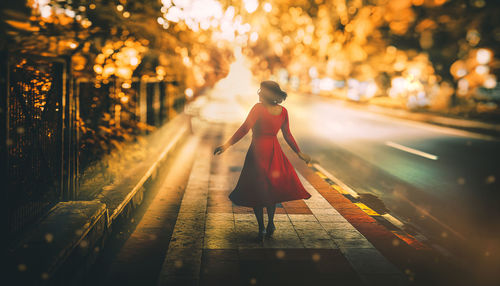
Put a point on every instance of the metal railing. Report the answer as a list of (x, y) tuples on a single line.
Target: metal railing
[(34, 136), (42, 108)]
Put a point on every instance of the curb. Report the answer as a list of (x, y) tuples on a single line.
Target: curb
[(393, 224), (69, 240), (412, 253)]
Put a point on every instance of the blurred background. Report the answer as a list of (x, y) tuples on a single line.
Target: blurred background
[(84, 80)]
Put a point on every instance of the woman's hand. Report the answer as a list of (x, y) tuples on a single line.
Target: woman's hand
[(220, 149), (305, 157)]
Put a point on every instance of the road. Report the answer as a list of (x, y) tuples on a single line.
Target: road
[(442, 181), (432, 179)]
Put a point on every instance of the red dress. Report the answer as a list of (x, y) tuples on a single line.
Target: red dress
[(267, 177)]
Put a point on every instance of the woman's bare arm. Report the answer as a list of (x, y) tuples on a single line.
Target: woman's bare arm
[(245, 127), (285, 129)]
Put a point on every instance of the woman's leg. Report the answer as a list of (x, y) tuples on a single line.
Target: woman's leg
[(270, 214), (259, 214)]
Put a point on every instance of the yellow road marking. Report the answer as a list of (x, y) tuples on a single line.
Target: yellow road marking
[(321, 175), (366, 209), (339, 189)]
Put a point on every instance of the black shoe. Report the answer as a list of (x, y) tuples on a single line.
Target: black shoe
[(270, 230), (261, 234)]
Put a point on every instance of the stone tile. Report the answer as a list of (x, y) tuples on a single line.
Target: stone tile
[(245, 235), (185, 215), (280, 217), (307, 225), (194, 205), (244, 217), (369, 261), (319, 204), (330, 218), (337, 225), (219, 209), (220, 242), (284, 224), (353, 243), (186, 241), (330, 211), (312, 242), (283, 238), (220, 216), (195, 196), (302, 217), (345, 234), (183, 261), (297, 210), (315, 236), (214, 224), (246, 224), (218, 204), (318, 233), (219, 234)]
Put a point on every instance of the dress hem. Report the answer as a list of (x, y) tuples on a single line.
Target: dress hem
[(264, 204)]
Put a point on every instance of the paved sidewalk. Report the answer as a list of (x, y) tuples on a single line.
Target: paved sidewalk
[(213, 240)]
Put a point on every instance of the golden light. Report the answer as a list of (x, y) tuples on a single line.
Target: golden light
[(126, 14), (188, 15), (188, 92), (268, 7), (251, 5), (254, 36), (463, 86), (86, 23), (43, 7), (134, 61), (124, 72), (482, 69), (483, 56), (98, 69), (160, 71), (119, 7), (108, 70), (124, 99), (490, 82), (186, 61), (458, 69)]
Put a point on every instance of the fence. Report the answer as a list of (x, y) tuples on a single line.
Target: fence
[(152, 102), (42, 107), (35, 105)]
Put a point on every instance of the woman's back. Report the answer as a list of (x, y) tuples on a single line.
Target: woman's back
[(263, 123)]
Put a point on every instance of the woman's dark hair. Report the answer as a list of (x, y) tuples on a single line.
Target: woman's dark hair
[(274, 87)]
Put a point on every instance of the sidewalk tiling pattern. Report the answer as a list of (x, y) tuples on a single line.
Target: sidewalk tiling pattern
[(213, 241)]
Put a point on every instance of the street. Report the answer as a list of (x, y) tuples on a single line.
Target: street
[(165, 243), (449, 192), (142, 142)]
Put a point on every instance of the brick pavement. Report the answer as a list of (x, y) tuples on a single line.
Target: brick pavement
[(213, 240)]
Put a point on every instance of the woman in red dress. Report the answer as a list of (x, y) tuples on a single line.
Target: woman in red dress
[(267, 176)]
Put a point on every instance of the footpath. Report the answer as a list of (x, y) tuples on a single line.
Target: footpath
[(192, 234)]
